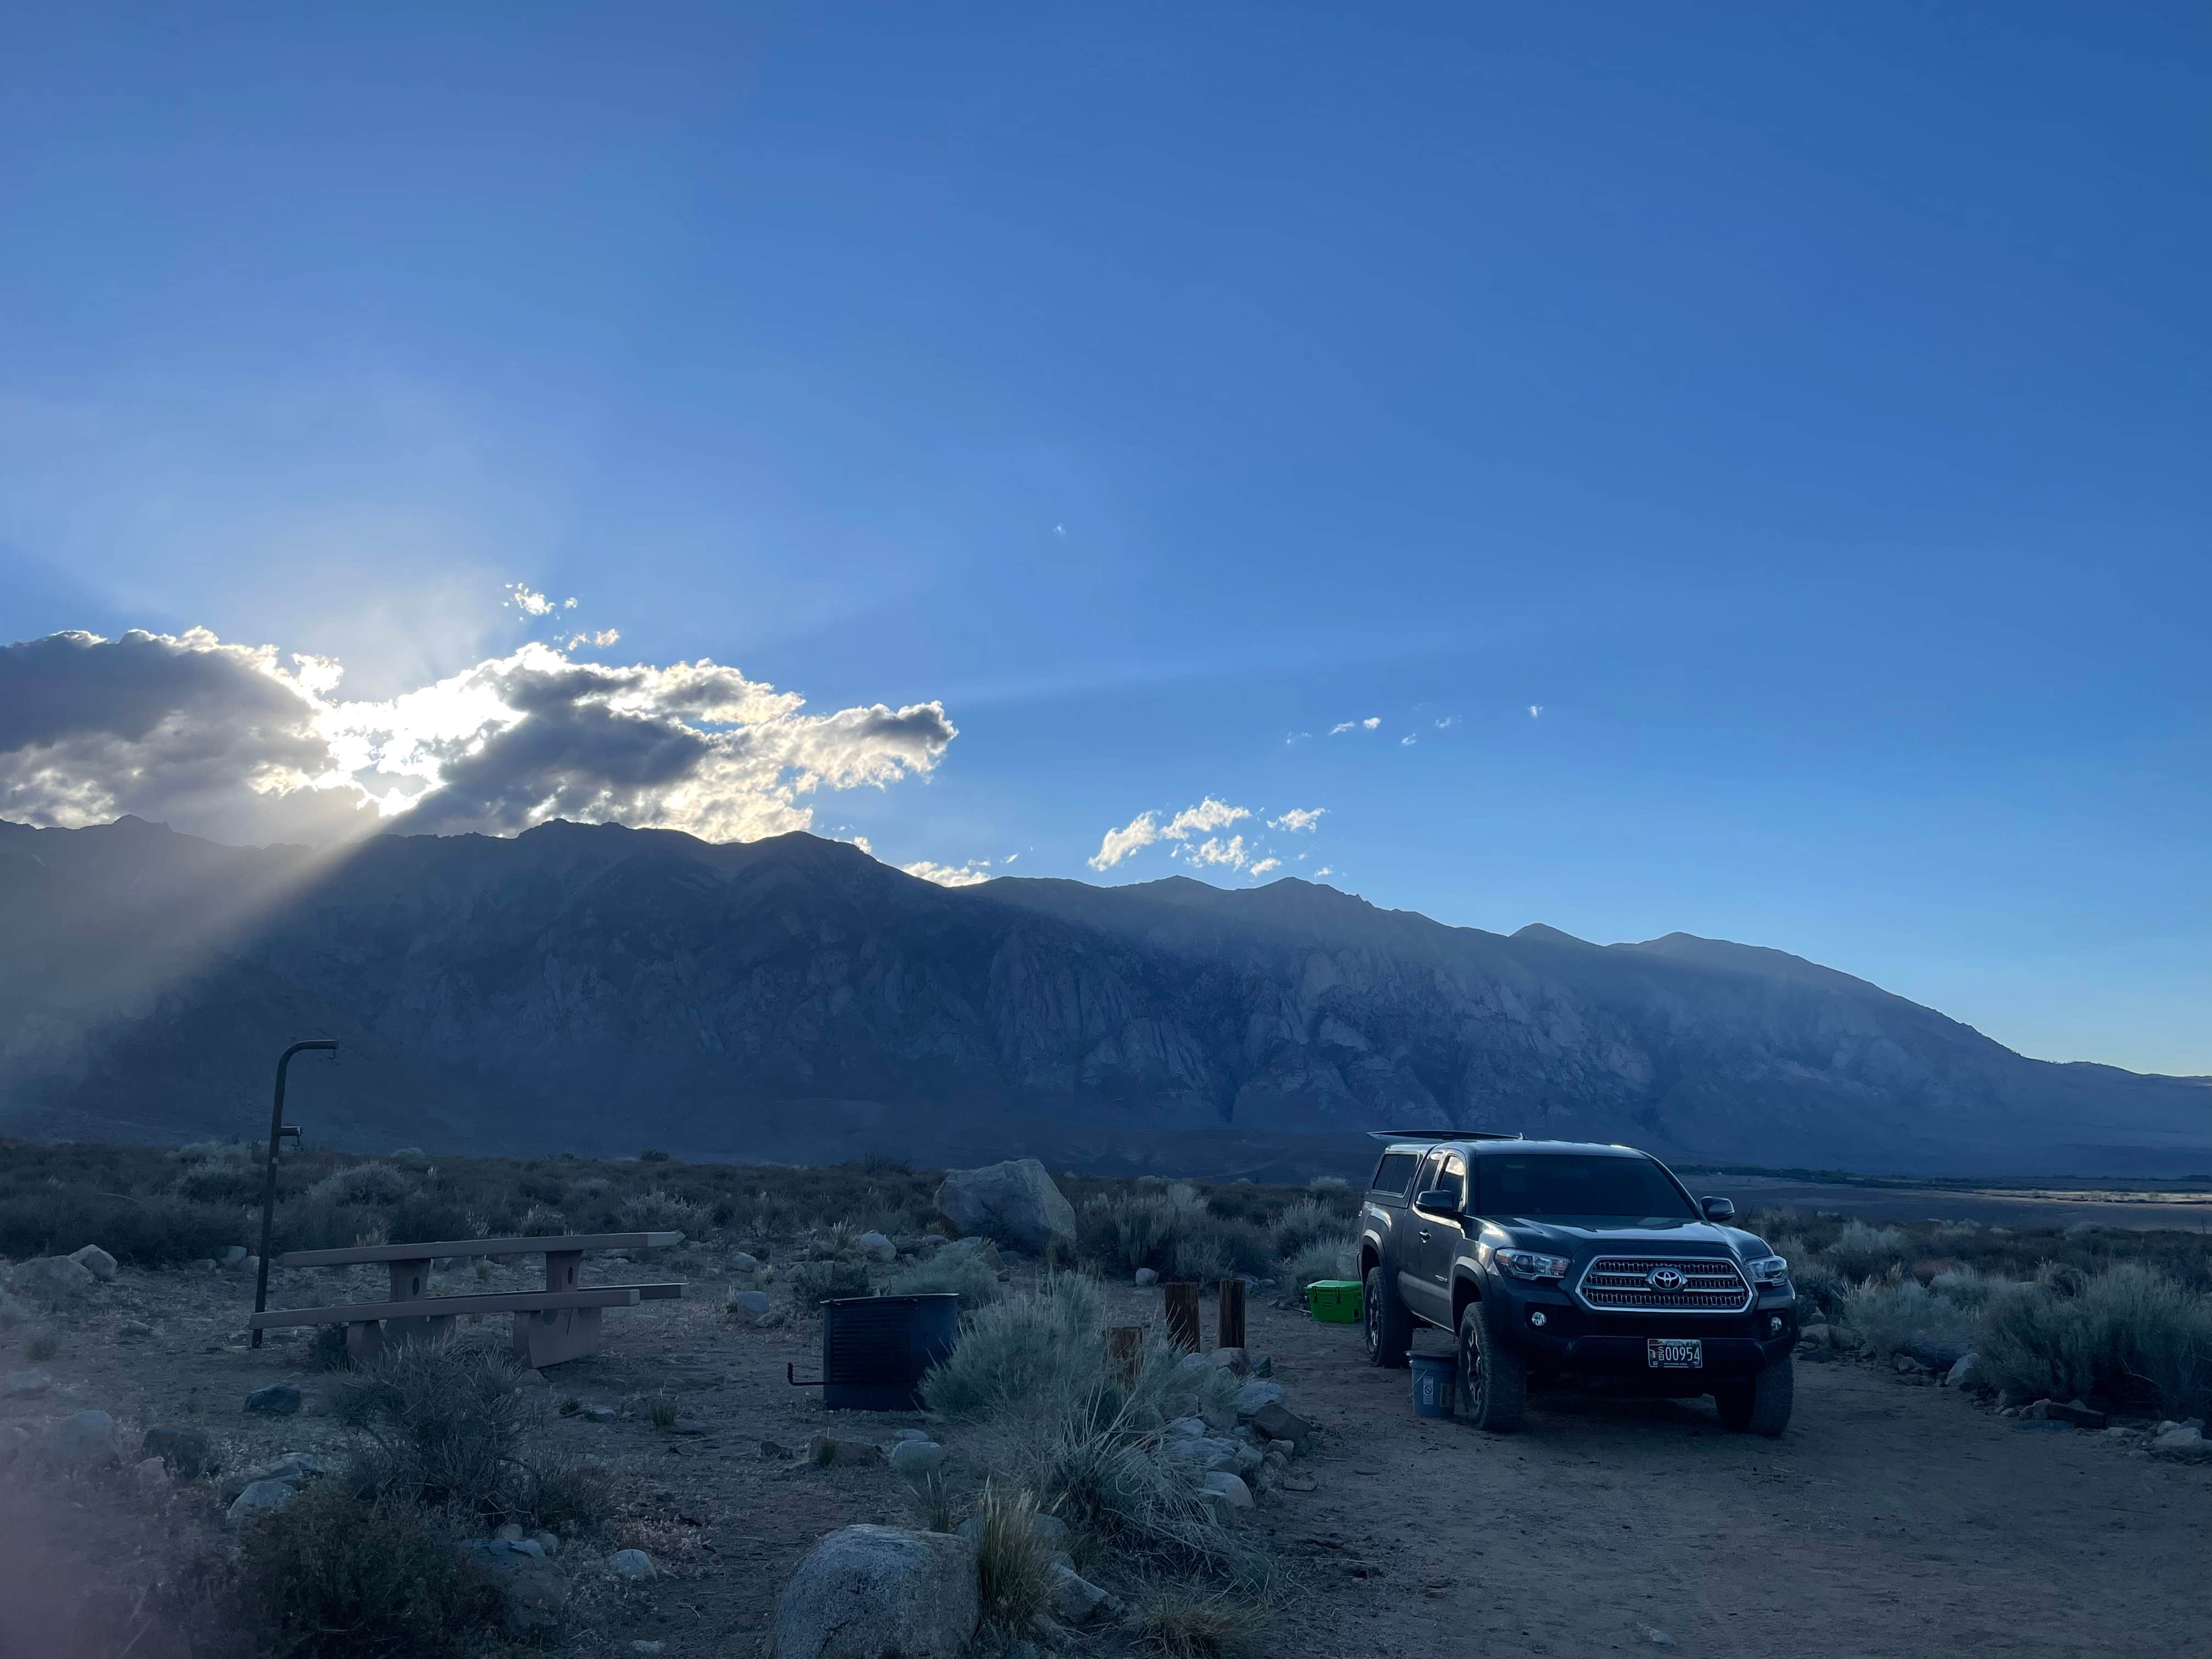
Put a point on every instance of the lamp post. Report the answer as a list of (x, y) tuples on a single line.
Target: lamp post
[(277, 1130)]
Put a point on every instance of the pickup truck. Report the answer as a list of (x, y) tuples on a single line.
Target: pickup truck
[(1569, 1264)]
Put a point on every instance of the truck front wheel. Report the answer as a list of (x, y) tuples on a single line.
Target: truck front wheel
[(1760, 1404), (1389, 1324), (1492, 1383)]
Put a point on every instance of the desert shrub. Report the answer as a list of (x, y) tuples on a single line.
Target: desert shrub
[(1013, 1561), (542, 1221), (221, 1180), (362, 1183), (1207, 1248), (1324, 1258), (335, 1574), (1904, 1316), (197, 1152), (1038, 1353), (428, 1215), (1199, 1622), (1971, 1288), (1326, 1183), (2131, 1334), (155, 1231), (829, 1279), (1304, 1223), (965, 1275), (1860, 1250), (662, 1212), (440, 1425), (326, 1349), (1121, 1232)]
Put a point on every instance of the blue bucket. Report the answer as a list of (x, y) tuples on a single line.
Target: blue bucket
[(1432, 1384)]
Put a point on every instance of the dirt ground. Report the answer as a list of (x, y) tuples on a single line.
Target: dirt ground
[(1891, 1519)]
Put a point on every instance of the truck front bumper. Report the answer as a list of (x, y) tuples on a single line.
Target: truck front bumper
[(1557, 1335)]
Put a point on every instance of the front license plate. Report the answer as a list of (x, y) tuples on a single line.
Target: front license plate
[(1676, 1353)]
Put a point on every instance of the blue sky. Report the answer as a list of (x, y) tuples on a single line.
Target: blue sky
[(1806, 413)]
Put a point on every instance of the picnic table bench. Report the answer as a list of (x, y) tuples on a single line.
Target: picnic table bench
[(561, 1322)]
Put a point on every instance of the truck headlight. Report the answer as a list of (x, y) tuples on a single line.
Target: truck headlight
[(1768, 1270), (1530, 1264)]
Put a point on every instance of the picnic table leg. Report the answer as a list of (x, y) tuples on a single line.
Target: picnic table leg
[(556, 1334)]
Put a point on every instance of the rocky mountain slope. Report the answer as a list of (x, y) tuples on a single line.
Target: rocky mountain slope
[(596, 989)]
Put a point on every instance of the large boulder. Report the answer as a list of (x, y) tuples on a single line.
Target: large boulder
[(52, 1278), (83, 1440), (876, 1592), (95, 1262), (1014, 1202)]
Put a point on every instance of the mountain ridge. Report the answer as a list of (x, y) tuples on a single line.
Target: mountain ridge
[(594, 987)]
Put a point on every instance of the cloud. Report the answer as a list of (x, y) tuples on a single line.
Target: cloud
[(1407, 741), (604, 637), (1295, 737), (1060, 530), (1264, 865), (1146, 829), (1367, 725), (1535, 711), (1447, 723), (969, 874), (531, 602), (225, 740), (1324, 871), (1297, 818), (1215, 851)]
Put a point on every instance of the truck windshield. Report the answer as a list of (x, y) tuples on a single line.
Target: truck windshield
[(1569, 1184)]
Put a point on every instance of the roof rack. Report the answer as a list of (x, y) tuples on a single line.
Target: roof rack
[(1441, 1134)]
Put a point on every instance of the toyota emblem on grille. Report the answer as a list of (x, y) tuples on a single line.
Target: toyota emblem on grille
[(1666, 1278)]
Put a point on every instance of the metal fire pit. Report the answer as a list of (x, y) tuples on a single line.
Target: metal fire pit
[(875, 1349)]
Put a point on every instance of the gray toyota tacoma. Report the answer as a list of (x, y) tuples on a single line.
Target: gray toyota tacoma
[(1586, 1266)]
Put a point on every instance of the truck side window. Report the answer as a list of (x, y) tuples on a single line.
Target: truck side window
[(1392, 1173), (1428, 1176), (1454, 1180)]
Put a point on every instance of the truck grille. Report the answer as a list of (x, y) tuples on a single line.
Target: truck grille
[(1623, 1285)]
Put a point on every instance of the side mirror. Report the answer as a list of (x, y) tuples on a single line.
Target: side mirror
[(1442, 1199), (1718, 1209)]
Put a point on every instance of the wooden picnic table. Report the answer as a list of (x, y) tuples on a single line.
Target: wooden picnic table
[(559, 1323)]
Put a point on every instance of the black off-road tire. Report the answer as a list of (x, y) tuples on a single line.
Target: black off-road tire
[(1760, 1404), (1491, 1389), (1389, 1323)]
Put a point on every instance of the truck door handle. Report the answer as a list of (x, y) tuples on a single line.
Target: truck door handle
[(1424, 1235)]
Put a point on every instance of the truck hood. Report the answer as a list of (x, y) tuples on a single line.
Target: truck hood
[(1577, 1235)]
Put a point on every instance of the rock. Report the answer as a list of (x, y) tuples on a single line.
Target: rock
[(599, 1413), (1014, 1203), (52, 1278), (278, 1400), (95, 1262), (1232, 1360), (1961, 1373), (233, 1255), (1074, 1599), (1146, 1276), (745, 1263), (752, 1304), (509, 1534), (633, 1565), (82, 1440), (1277, 1422), (877, 1247), (689, 1425), (548, 1543), (1256, 1397), (1225, 1493), (532, 1378), (2180, 1443), (535, 1592), (151, 1474), (187, 1453), (871, 1592), (917, 1460), (25, 1385), (1263, 1365), (1905, 1365), (2074, 1412), (1187, 1425), (648, 1648), (134, 1327), (1049, 1530), (1658, 1638), (827, 1451), (262, 1498), (292, 1468)]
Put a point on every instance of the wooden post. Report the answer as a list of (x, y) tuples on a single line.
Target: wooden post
[(1183, 1315), (1229, 1324)]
